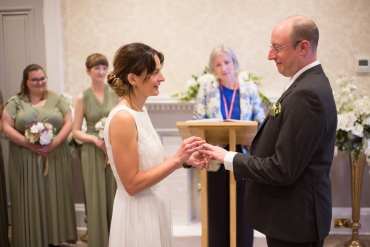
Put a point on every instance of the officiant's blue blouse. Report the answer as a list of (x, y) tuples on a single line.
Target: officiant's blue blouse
[(228, 94), (209, 103)]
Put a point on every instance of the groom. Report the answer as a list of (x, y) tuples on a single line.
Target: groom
[(288, 189)]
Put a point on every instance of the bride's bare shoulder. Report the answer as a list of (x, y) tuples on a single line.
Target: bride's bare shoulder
[(122, 118)]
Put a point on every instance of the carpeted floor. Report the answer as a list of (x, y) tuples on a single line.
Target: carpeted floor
[(194, 241)]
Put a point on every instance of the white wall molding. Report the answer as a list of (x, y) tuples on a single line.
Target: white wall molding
[(172, 104), (169, 107), (80, 216), (54, 45), (168, 132), (168, 104)]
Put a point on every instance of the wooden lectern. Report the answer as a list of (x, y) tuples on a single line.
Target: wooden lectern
[(231, 133)]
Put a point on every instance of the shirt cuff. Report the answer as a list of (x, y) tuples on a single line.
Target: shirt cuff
[(228, 160)]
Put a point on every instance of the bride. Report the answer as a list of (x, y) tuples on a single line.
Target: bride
[(141, 211)]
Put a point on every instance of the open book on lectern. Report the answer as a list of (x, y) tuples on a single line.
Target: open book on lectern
[(216, 120)]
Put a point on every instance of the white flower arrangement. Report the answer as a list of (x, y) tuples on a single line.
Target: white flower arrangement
[(192, 85), (99, 126), (69, 98), (353, 130), (37, 132)]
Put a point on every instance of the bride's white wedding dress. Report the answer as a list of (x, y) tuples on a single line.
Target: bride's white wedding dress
[(143, 220)]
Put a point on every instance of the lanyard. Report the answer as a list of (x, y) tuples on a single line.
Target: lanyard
[(229, 112)]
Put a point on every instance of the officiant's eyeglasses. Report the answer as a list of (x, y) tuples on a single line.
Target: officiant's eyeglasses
[(36, 80), (276, 49)]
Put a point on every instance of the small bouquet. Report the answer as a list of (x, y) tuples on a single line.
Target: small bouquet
[(42, 133), (99, 126), (38, 132)]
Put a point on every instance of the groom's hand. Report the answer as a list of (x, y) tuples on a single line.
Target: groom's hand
[(213, 152)]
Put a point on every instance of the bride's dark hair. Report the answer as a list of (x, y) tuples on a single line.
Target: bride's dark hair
[(134, 58)]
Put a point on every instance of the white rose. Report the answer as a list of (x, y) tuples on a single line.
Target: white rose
[(367, 153), (34, 129), (341, 123), (244, 75), (40, 126), (362, 106), (84, 125), (98, 125), (352, 87), (67, 96), (206, 78), (358, 130), (346, 89), (191, 83), (346, 121), (341, 80), (101, 134), (46, 137)]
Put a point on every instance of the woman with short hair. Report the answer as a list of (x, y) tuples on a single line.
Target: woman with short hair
[(100, 186)]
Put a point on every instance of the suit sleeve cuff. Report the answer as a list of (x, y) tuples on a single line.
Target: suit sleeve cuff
[(228, 161)]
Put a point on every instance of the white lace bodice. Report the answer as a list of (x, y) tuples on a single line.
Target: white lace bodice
[(149, 145)]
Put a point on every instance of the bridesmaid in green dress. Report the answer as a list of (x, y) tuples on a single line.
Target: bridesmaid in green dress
[(3, 199), (100, 186), (41, 190)]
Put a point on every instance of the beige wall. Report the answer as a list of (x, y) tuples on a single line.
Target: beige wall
[(186, 31)]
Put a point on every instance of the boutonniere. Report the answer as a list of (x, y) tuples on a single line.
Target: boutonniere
[(275, 109)]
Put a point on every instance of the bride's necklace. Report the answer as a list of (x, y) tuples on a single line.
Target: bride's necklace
[(132, 103)]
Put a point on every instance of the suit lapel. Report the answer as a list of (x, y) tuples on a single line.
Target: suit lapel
[(314, 70)]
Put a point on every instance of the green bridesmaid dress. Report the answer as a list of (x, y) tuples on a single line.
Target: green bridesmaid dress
[(42, 207), (99, 182), (3, 199)]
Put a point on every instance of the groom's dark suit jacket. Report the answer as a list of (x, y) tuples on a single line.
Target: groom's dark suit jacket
[(288, 189)]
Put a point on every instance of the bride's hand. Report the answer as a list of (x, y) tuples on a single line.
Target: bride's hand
[(188, 147), (199, 161)]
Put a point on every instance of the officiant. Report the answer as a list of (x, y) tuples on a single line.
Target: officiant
[(228, 96)]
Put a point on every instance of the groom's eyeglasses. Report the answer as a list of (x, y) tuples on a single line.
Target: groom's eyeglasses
[(276, 49)]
